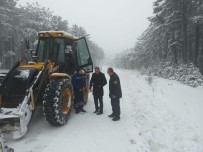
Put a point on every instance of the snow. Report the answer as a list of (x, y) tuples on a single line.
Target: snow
[(157, 116), (189, 102), (2, 72), (24, 74), (66, 33), (185, 73)]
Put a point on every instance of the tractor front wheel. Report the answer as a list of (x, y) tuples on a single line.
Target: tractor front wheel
[(58, 100)]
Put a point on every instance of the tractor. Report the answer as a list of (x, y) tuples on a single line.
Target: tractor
[(44, 80)]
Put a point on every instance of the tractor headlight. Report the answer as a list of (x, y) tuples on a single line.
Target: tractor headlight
[(41, 35), (60, 35)]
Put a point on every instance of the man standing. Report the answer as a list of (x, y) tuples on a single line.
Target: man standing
[(98, 81), (78, 87), (115, 93)]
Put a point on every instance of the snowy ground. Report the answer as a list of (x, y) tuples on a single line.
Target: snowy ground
[(164, 116)]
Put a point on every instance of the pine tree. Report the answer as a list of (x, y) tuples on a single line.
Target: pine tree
[(174, 40)]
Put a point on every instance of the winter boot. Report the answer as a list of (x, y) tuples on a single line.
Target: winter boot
[(111, 116), (100, 113), (116, 118), (96, 111), (77, 111), (82, 110)]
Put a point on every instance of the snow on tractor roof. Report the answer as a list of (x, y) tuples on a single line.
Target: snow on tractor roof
[(57, 34)]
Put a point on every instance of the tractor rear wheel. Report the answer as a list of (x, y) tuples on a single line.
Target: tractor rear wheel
[(58, 100)]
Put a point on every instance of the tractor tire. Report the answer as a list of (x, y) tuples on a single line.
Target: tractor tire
[(58, 101)]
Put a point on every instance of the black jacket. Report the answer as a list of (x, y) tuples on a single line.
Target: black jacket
[(115, 86), (98, 81)]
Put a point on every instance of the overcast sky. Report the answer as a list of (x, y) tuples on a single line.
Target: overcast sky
[(113, 24)]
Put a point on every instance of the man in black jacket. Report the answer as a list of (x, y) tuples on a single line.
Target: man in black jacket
[(115, 93), (98, 81)]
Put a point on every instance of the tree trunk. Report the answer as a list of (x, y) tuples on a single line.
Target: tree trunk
[(166, 49), (202, 45), (175, 55), (197, 37), (190, 48), (184, 51), (1, 50)]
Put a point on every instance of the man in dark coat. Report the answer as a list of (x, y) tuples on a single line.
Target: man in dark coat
[(78, 87), (98, 81), (115, 93)]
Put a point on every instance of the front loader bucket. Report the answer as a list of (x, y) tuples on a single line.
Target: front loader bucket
[(14, 125), (9, 123), (13, 121)]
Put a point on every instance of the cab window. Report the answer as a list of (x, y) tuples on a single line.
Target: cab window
[(58, 50), (42, 49), (83, 55)]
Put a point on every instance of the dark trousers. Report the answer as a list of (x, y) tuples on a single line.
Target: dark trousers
[(115, 103), (78, 100), (100, 99)]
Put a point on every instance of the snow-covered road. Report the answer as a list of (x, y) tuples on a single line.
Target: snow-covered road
[(164, 116)]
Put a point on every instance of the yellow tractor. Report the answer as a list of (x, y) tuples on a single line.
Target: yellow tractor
[(43, 81)]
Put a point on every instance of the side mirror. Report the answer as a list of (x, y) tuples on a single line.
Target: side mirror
[(27, 44)]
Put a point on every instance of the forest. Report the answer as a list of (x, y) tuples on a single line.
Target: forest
[(18, 23), (172, 45)]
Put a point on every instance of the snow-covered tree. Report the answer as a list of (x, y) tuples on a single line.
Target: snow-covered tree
[(174, 37)]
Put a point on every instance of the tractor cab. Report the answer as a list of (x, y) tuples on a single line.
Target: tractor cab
[(63, 49)]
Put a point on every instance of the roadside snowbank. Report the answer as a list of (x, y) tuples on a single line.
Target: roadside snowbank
[(186, 74)]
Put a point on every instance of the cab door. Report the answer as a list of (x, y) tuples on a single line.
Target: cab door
[(84, 59)]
